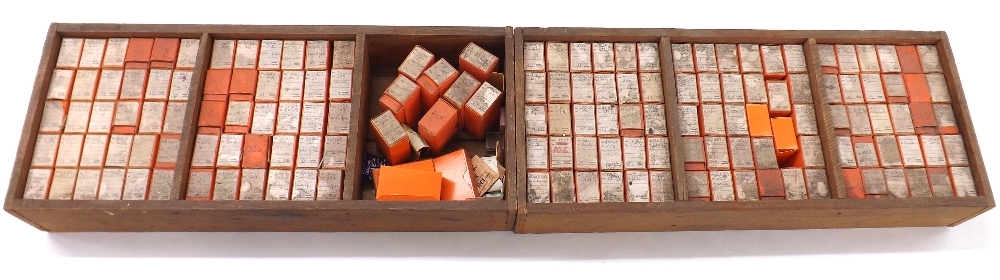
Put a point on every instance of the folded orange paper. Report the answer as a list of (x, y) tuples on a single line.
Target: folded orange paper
[(397, 183)]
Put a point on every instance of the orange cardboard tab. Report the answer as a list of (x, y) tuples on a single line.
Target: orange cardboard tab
[(909, 60), (256, 149), (916, 88), (785, 142), (243, 81), (854, 183), (165, 50), (759, 120), (400, 184), (456, 170), (438, 125), (425, 165), (213, 114), (140, 50), (770, 183), (217, 81)]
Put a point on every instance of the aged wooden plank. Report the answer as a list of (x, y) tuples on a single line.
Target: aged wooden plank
[(511, 189), (190, 132), (519, 155), (673, 120), (359, 121), (823, 122)]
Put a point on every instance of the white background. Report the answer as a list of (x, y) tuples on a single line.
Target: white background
[(967, 250)]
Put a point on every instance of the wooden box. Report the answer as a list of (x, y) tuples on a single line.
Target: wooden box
[(379, 50), (683, 214)]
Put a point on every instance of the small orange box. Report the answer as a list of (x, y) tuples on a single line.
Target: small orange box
[(396, 184), (213, 114), (923, 116), (243, 81), (256, 149), (165, 50), (211, 184), (140, 50), (759, 120), (249, 113), (477, 61), (916, 88), (458, 180), (166, 165), (438, 125), (391, 138), (770, 183), (785, 142), (435, 81), (854, 183), (482, 111), (406, 95), (909, 59), (217, 81)]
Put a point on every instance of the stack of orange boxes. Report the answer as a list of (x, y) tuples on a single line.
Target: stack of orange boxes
[(274, 121), (112, 119), (892, 113), (435, 99), (596, 123), (748, 123)]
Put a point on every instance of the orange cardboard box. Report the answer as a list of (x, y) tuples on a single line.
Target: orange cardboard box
[(459, 93), (256, 149), (210, 176), (391, 138), (909, 60), (477, 61), (213, 115), (243, 81), (245, 98), (785, 142), (415, 63), (138, 53), (425, 165), (916, 88), (482, 111), (175, 138), (401, 184), (759, 120), (438, 125), (164, 52), (854, 183), (456, 170), (404, 95), (217, 81), (770, 183), (924, 120), (435, 81)]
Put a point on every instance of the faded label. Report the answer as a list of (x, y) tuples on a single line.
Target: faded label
[(205, 148), (563, 189), (604, 57), (588, 188), (558, 87), (69, 52), (817, 183), (585, 153), (634, 151), (537, 152), (879, 115), (101, 115), (955, 150), (638, 185), (152, 117), (661, 186), (964, 184), (778, 97), (136, 184), (610, 153), (909, 147), (626, 58), (732, 88), (709, 87), (580, 57), (713, 120), (329, 184), (293, 55), (764, 152), (750, 58), (279, 183), (805, 119), (534, 56), (865, 154), (535, 120), (812, 151), (655, 117), (694, 149), (846, 150), (935, 83), (557, 56), (728, 59), (112, 184), (110, 84), (872, 84), (534, 88), (929, 58), (222, 54), (704, 57), (226, 184), (888, 151), (561, 152), (917, 180), (538, 187), (252, 184), (339, 118), (698, 184), (718, 152), (584, 120), (118, 150), (246, 54), (742, 153), (755, 89), (630, 116), (800, 88), (343, 54), (746, 185), (868, 58), (560, 120), (683, 58), (773, 61), (114, 53), (850, 86), (263, 118), (847, 59), (612, 186), (795, 58), (795, 184), (607, 120), (87, 182), (887, 58), (93, 150), (860, 124), (687, 88), (582, 87), (304, 184), (85, 83), (69, 151), (289, 114)]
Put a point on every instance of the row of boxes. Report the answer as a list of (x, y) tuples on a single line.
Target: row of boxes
[(137, 53), (773, 61), (282, 54), (763, 184), (854, 59), (274, 121), (909, 182), (599, 186), (265, 184), (588, 153), (591, 57), (111, 123)]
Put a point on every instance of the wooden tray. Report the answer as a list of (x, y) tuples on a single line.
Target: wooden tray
[(378, 48), (696, 215)]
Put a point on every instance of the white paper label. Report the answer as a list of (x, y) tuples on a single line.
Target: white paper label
[(557, 56), (612, 186), (604, 57), (118, 150), (313, 117), (304, 186), (964, 184), (226, 184), (628, 88), (222, 54), (732, 88), (143, 147), (93, 150), (800, 88), (537, 152), (585, 153), (77, 119), (582, 87), (847, 59), (655, 117), (661, 186), (746, 185), (868, 59), (535, 120), (626, 58), (728, 59), (658, 152), (59, 84), (133, 84), (933, 150), (764, 152), (534, 88), (860, 124), (63, 180), (538, 187), (268, 85), (795, 58), (865, 154), (955, 150), (252, 184), (630, 116), (283, 150), (634, 151), (755, 89), (851, 89), (109, 84), (649, 56), (580, 57), (584, 120), (846, 150), (69, 52), (880, 121), (812, 151), (534, 56), (638, 185), (935, 83), (558, 87), (742, 153), (610, 153), (279, 183), (887, 58), (698, 184), (563, 190), (127, 114), (683, 58), (713, 120), (69, 151), (872, 84), (293, 55), (704, 57), (560, 122), (388, 128), (561, 152), (329, 184), (270, 55), (291, 85), (84, 85), (53, 117), (87, 182), (687, 88), (689, 120), (44, 154), (709, 87), (136, 184), (795, 184), (112, 184), (339, 118), (607, 120), (205, 148), (773, 61), (778, 96), (750, 61), (309, 146), (173, 121), (901, 120), (114, 53), (805, 120), (152, 117), (230, 150), (343, 54), (909, 147), (289, 114), (588, 187), (718, 152), (929, 58)]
